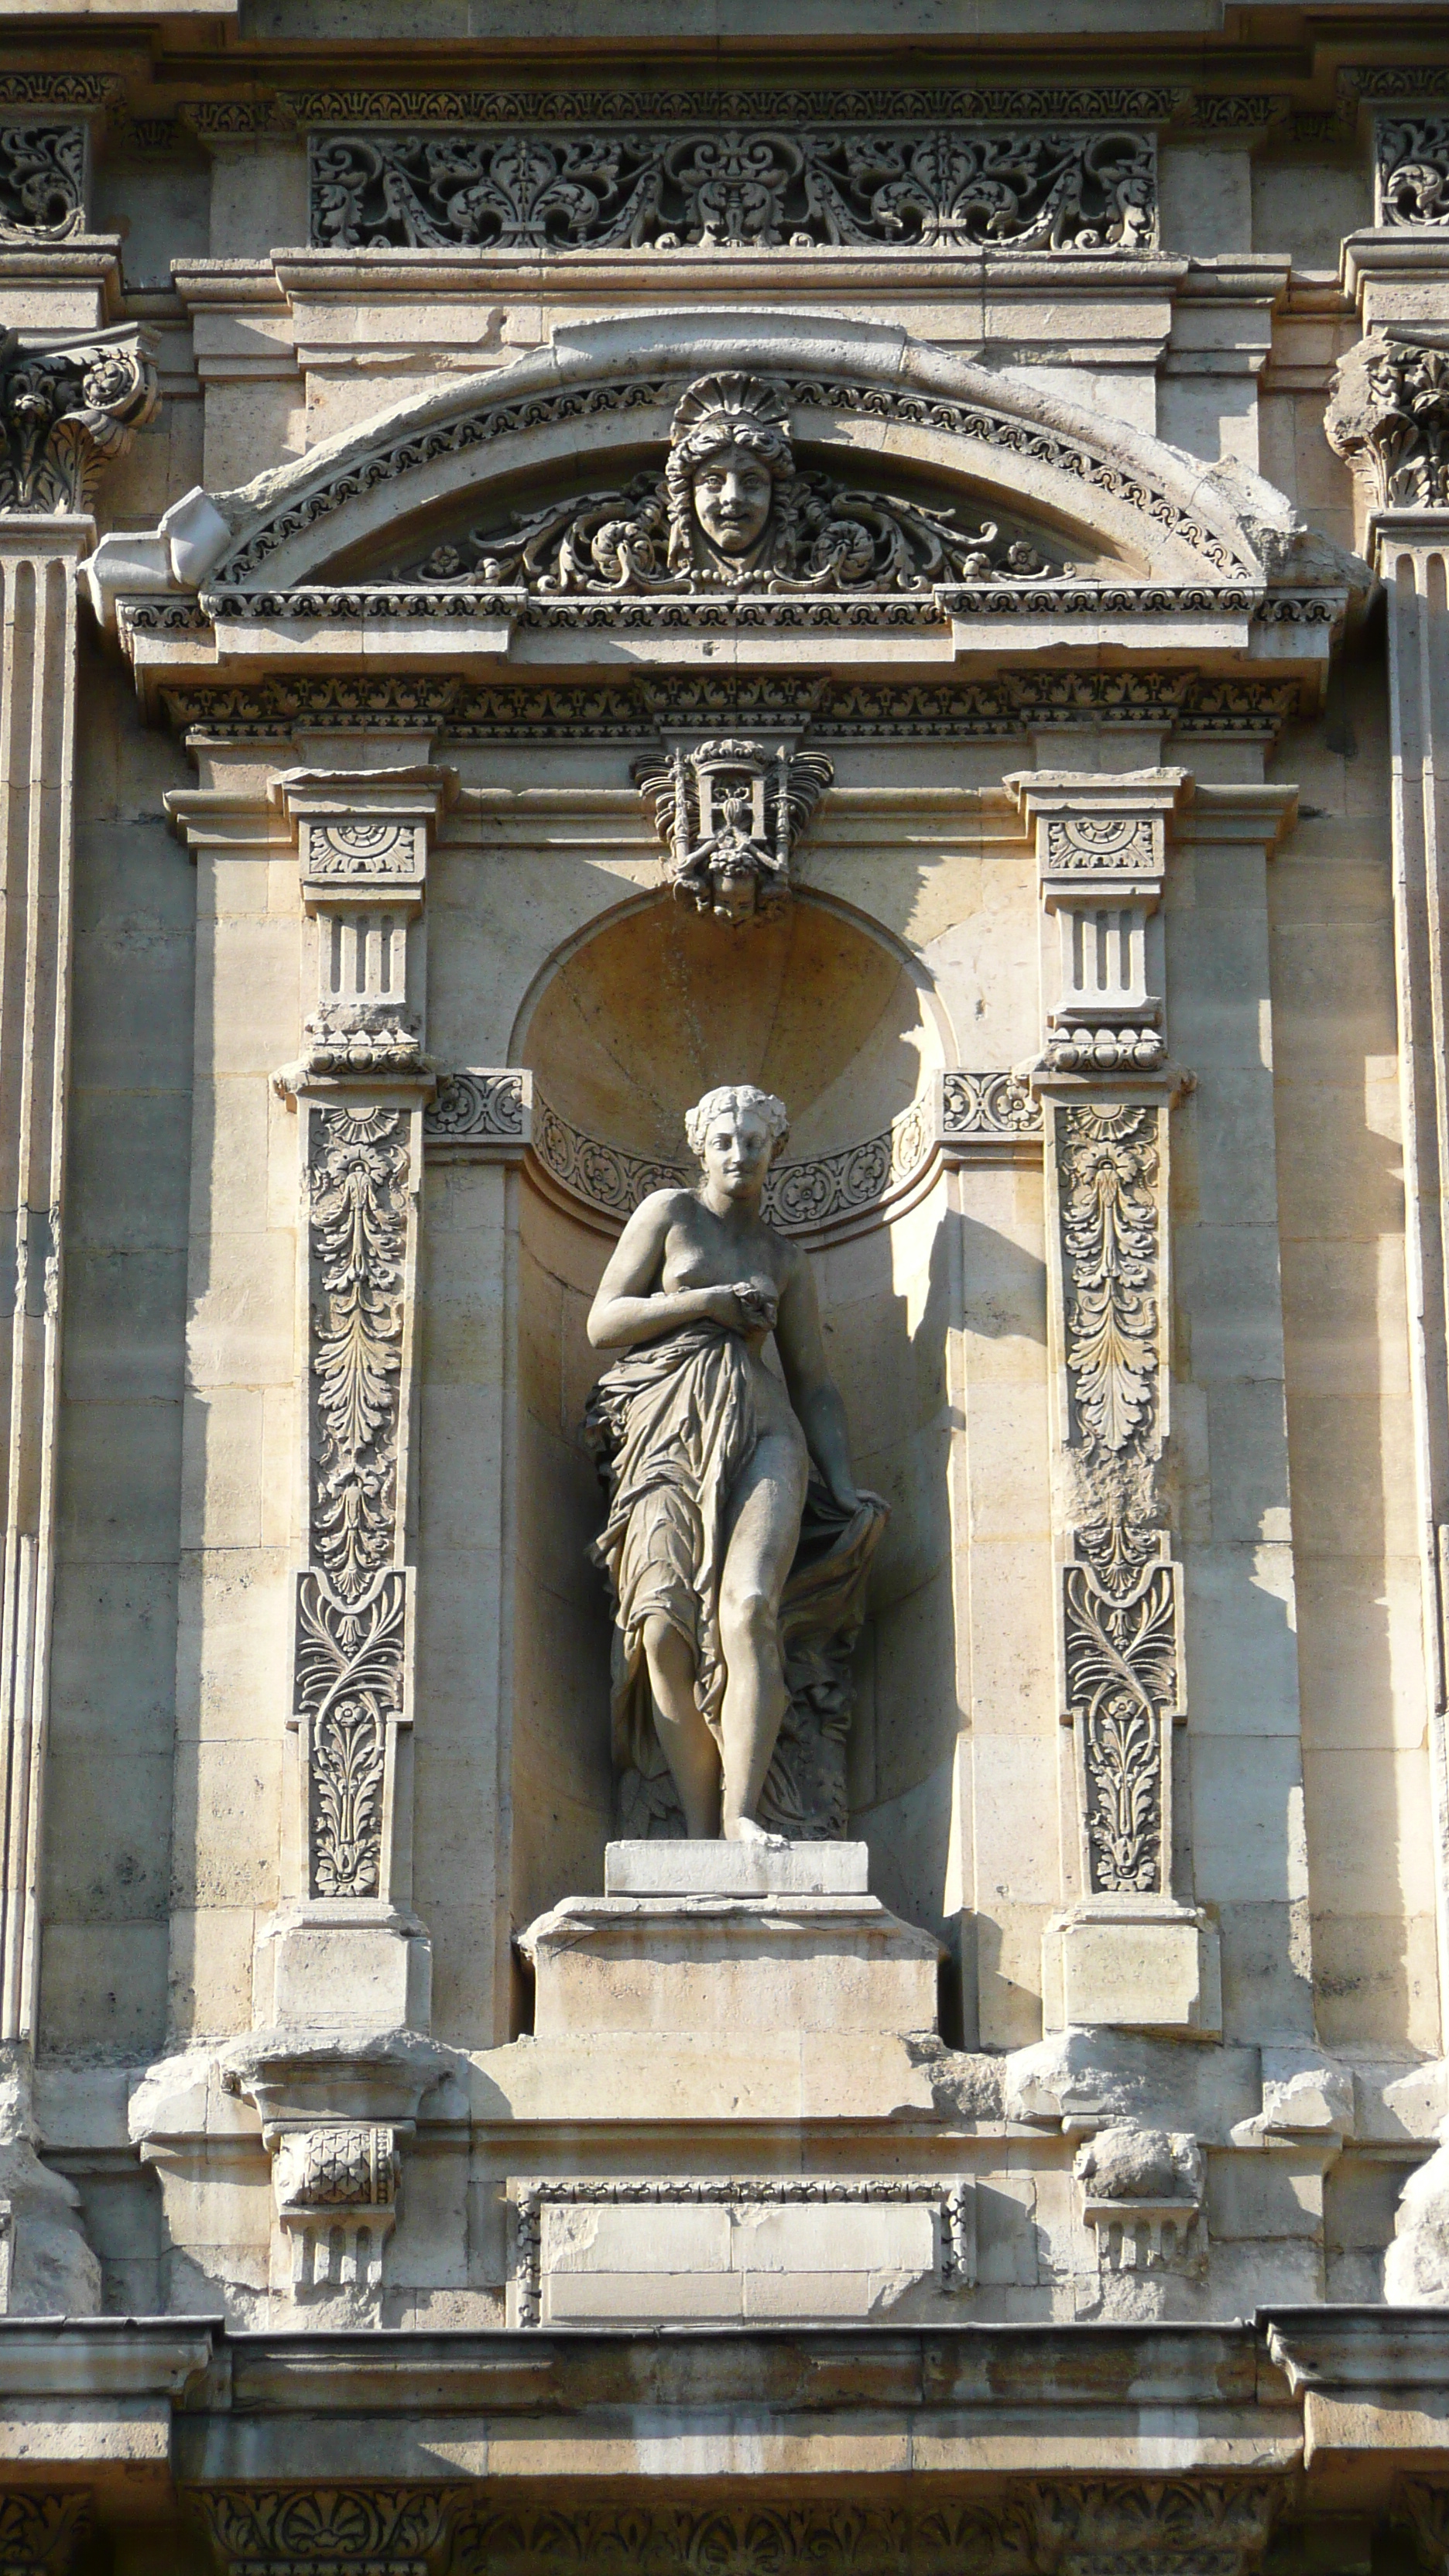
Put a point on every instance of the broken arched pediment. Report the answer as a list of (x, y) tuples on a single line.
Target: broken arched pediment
[(876, 411)]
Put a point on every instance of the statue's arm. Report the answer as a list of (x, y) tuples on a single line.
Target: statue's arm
[(813, 1391), (628, 1308)]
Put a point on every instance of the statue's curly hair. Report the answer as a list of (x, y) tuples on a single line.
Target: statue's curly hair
[(727, 411), (737, 1095)]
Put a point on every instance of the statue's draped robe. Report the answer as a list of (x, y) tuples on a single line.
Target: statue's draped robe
[(672, 1424)]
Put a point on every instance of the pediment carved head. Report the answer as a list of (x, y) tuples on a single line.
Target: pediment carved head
[(732, 509)]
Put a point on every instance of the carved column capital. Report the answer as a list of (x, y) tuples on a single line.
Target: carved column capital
[(70, 406), (1389, 419), (363, 838)]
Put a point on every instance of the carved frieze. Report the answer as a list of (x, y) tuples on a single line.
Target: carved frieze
[(42, 181), (487, 1113), (1411, 170), (839, 710), (70, 407), (41, 2529), (737, 185), (729, 813), (359, 2530), (1389, 416)]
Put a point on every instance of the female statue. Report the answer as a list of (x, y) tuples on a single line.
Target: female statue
[(736, 1543)]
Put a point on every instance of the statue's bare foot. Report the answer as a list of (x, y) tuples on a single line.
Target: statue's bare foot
[(743, 1829)]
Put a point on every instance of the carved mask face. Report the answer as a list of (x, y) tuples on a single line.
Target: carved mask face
[(732, 496), (736, 1153)]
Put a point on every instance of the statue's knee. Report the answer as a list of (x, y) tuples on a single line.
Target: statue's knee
[(747, 1619), (665, 1649)]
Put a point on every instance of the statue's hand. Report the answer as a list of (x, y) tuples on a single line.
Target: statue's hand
[(759, 1303)]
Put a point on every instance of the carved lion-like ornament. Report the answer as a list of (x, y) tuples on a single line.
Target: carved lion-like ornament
[(733, 511)]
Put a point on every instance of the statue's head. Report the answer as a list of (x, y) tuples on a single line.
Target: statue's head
[(730, 462), (735, 1132)]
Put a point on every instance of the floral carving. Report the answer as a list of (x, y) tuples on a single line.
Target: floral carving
[(738, 186), (732, 510), (1098, 841), (68, 411), (361, 848), (357, 1183), (1121, 1669), (477, 1108), (1390, 417), (329, 2531), (1108, 1175), (1412, 157), (42, 182), (349, 1668), (729, 814), (989, 1105), (1095, 467), (41, 2529)]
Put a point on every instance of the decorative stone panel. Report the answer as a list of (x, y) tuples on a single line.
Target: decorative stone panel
[(737, 185), (329, 2530)]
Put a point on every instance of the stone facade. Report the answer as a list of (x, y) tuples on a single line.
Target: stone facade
[(552, 564)]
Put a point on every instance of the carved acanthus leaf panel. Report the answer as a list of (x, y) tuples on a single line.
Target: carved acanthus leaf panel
[(1108, 1166), (67, 412), (1389, 416), (42, 182), (1411, 163), (357, 1184), (358, 2530), (738, 186), (42, 2528)]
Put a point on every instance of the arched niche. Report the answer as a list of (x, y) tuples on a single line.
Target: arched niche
[(622, 1032)]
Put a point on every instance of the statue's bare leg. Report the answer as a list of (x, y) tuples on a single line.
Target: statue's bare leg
[(689, 1748), (764, 1532)]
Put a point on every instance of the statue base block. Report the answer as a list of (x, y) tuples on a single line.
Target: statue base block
[(697, 1963), (735, 1869)]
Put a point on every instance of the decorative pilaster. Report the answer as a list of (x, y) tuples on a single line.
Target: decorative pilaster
[(1390, 419), (66, 408), (1125, 1953), (340, 2069)]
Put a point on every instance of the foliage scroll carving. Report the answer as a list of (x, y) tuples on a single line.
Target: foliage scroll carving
[(738, 186)]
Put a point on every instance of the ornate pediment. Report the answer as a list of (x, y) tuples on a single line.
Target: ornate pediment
[(732, 510)]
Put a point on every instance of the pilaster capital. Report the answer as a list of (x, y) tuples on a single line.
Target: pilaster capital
[(70, 404), (363, 836), (1389, 419), (1101, 852), (1092, 825)]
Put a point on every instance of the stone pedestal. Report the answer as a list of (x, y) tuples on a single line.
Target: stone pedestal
[(1132, 1963)]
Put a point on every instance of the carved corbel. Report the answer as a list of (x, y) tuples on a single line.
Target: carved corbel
[(71, 406), (729, 812), (1125, 1953)]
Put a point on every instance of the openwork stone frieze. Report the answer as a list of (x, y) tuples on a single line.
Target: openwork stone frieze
[(1411, 168), (69, 409), (737, 186), (42, 181)]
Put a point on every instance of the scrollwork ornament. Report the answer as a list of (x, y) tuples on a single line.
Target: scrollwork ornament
[(729, 813), (738, 185), (1108, 1167), (42, 181), (1412, 158)]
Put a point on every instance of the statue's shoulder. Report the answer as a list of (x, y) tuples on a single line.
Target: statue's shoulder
[(661, 1207)]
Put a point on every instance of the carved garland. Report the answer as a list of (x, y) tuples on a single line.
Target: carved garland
[(737, 186), (507, 419)]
